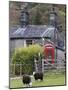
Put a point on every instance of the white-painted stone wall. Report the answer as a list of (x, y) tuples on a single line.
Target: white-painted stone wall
[(17, 43), (60, 59)]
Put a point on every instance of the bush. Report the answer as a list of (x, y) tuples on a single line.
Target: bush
[(25, 56)]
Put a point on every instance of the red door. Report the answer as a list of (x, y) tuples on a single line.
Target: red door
[(49, 50)]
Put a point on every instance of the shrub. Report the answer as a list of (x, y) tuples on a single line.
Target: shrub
[(25, 56)]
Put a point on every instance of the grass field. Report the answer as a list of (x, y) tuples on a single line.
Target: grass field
[(50, 79)]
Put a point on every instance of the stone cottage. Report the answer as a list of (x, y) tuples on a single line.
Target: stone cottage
[(25, 34)]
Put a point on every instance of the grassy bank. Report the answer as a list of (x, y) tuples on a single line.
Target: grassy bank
[(49, 80)]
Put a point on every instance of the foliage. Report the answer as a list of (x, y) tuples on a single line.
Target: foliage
[(25, 56), (38, 13)]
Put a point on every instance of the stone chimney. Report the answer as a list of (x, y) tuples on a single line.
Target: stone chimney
[(53, 16), (24, 19)]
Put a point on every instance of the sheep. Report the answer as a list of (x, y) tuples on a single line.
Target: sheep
[(27, 80), (38, 75)]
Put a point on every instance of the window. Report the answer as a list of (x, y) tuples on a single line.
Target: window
[(28, 42)]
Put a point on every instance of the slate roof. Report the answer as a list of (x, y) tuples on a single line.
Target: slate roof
[(33, 31)]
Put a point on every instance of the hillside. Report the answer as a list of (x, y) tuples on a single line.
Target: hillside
[(38, 13)]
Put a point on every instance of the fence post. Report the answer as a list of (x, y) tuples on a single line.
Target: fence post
[(14, 69), (20, 69), (36, 68), (43, 65)]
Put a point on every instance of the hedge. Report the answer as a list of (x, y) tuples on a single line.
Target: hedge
[(25, 56)]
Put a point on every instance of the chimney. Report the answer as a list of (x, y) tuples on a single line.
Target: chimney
[(24, 19), (53, 16)]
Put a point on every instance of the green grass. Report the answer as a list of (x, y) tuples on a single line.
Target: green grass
[(49, 79)]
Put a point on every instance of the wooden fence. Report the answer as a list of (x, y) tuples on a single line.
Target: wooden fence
[(59, 65), (39, 66)]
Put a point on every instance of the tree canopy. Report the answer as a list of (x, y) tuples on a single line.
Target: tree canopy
[(38, 13)]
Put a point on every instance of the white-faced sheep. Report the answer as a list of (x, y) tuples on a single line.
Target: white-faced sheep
[(27, 80), (38, 75)]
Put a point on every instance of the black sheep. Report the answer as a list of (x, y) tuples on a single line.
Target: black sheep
[(38, 75), (27, 80)]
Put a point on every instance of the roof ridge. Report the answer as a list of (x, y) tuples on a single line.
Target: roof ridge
[(19, 30), (44, 32)]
